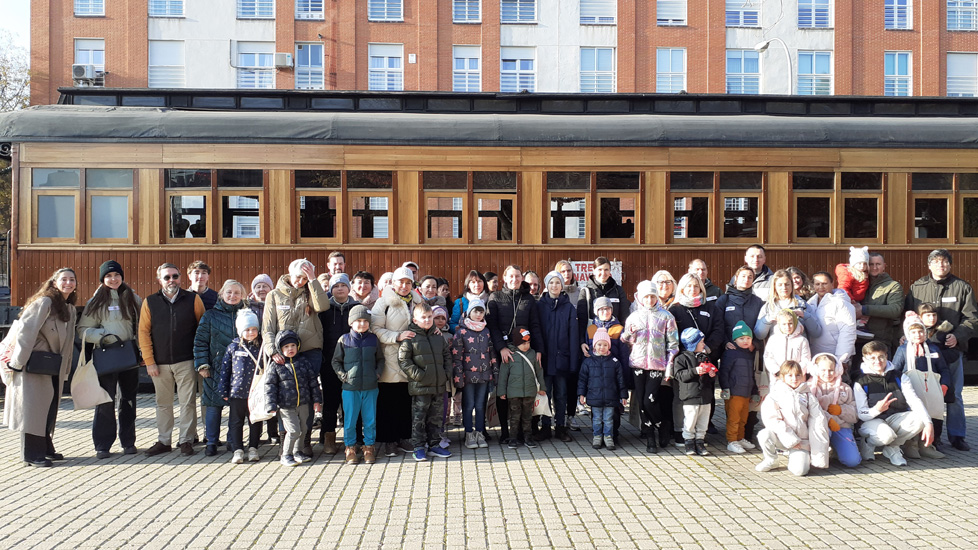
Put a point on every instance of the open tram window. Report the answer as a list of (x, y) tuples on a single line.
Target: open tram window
[(617, 217), (317, 216), (931, 200), (370, 217), (495, 219), (445, 217), (188, 216)]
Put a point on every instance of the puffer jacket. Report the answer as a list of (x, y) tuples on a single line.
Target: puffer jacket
[(390, 316), (509, 309), (837, 317), (214, 333), (290, 308), (694, 389), (516, 378), (955, 302), (768, 318), (461, 306), (601, 381), (707, 319), (561, 350), (736, 306), (847, 403), (591, 292), (794, 415), (238, 369), (358, 360), (713, 292), (293, 384), (654, 339), (473, 359), (91, 328), (619, 349), (737, 371), (937, 362), (884, 306), (426, 361), (780, 348)]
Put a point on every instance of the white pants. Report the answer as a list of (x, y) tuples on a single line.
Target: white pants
[(696, 418), (185, 377), (895, 429), (799, 460)]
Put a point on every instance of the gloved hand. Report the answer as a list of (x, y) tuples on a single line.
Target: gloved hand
[(834, 410), (833, 425), (725, 395), (755, 399)]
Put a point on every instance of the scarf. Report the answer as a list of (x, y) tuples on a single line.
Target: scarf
[(472, 324), (689, 301), (826, 393)]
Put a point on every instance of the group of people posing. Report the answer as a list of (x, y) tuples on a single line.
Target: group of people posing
[(840, 363)]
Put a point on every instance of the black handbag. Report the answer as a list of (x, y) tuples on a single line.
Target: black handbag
[(44, 362), (111, 357)]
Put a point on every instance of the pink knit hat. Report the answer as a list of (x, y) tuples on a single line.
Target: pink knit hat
[(601, 336)]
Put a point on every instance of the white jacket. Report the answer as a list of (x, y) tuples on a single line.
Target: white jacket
[(837, 317), (795, 416)]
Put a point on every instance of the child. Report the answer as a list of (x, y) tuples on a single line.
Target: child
[(930, 383), (793, 421), (786, 343), (234, 385), (890, 410), (289, 387), (452, 413), (837, 400), (695, 373), (853, 277), (474, 368), (357, 362), (937, 331), (520, 381), (427, 362), (601, 385), (604, 317), (739, 385)]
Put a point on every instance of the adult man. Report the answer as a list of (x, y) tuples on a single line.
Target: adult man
[(167, 325), (883, 304), (755, 259), (698, 267), (955, 303), (199, 273), (336, 263)]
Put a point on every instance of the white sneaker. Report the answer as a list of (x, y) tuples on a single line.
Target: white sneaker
[(481, 440), (574, 425), (867, 450), (238, 457), (747, 445), (767, 465), (735, 447), (470, 441), (253, 455), (895, 455)]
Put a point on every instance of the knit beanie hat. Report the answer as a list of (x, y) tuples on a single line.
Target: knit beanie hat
[(601, 302), (339, 279), (912, 320), (691, 337), (263, 278), (601, 335), (858, 255), (110, 266), (358, 312), (473, 304), (245, 320), (644, 289), (741, 329), (439, 310), (295, 268), (520, 335), (403, 272), (552, 275)]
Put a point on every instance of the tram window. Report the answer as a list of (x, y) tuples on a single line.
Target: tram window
[(444, 217), (239, 217), (813, 218), (317, 179), (861, 219), (435, 181), (617, 218), (495, 220), (810, 181), (568, 181), (862, 181), (691, 181), (370, 218), (369, 179), (568, 217), (691, 218), (930, 218), (179, 178), (924, 181), (968, 182), (494, 181), (740, 181), (188, 216), (101, 178), (740, 217), (317, 216), (56, 216), (970, 215), (240, 178), (110, 216), (617, 181), (57, 177)]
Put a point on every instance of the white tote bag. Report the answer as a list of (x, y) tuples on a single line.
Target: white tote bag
[(257, 400), (541, 403)]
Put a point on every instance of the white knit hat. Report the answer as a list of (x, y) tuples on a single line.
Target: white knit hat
[(245, 320), (858, 255)]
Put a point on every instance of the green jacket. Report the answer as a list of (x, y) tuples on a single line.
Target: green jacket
[(516, 377), (955, 302), (426, 359), (884, 306)]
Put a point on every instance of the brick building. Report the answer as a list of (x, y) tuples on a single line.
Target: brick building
[(842, 47)]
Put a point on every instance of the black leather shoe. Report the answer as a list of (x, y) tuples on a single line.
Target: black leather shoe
[(39, 463), (651, 446), (54, 456), (960, 444), (129, 450), (103, 454)]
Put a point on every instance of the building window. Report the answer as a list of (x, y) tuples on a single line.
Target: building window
[(618, 198), (517, 72), (495, 194), (89, 7), (897, 15), (962, 15), (896, 71), (256, 65), (385, 10), (518, 11), (166, 8), (814, 73), (670, 12), (386, 70), (690, 193), (598, 70), (91, 51), (256, 9), (598, 12), (813, 14), (467, 69), (166, 65), (309, 67), (466, 11), (309, 9), (743, 72), (743, 13), (670, 70), (962, 74)]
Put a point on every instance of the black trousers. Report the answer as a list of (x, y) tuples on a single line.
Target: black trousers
[(332, 397), (34, 447), (393, 412), (104, 426), (237, 416), (655, 405)]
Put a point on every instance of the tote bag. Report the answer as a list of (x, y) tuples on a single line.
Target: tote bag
[(927, 386), (257, 400), (541, 403)]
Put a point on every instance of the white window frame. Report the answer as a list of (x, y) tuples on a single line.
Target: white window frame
[(898, 14), (256, 9), (385, 10), (310, 76), (814, 14), (310, 10), (385, 53), (898, 84), (599, 12), (520, 75), (743, 13), (90, 51), (89, 8), (517, 11), (598, 80), (743, 82), (165, 72), (256, 65), (470, 78), (962, 15), (669, 76), (466, 11), (166, 8), (963, 85), (814, 82), (667, 13), (381, 223)]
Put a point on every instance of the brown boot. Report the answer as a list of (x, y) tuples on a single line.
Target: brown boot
[(329, 443), (351, 455), (369, 454)]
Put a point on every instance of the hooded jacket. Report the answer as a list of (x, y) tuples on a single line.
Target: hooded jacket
[(955, 302), (591, 292), (795, 416), (294, 383), (838, 393), (884, 306), (461, 306), (509, 309), (390, 316), (426, 360), (738, 305), (238, 369), (837, 317), (780, 348), (654, 339), (357, 360), (561, 350), (516, 378), (473, 359), (601, 381), (290, 308), (694, 389), (214, 333)]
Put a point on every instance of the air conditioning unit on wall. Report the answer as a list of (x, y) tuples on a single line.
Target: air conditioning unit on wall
[(83, 71), (283, 60)]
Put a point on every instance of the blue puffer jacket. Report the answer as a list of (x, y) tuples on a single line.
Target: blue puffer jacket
[(561, 350), (601, 382), (214, 332), (358, 360), (619, 349), (238, 369), (737, 371), (293, 384)]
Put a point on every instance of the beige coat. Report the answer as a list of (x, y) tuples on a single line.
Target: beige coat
[(92, 328), (389, 317), (29, 396), (290, 308)]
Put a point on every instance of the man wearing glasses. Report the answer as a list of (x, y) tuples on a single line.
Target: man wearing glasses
[(955, 303), (167, 325)]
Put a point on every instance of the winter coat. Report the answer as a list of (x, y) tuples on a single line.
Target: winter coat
[(290, 308), (473, 359), (844, 281), (737, 371), (238, 369), (955, 302), (846, 401), (358, 360), (336, 323), (780, 348), (654, 339), (367, 301), (426, 360), (516, 378), (591, 292), (509, 309), (562, 349), (214, 332), (768, 318), (707, 319), (619, 349), (461, 306), (713, 292), (601, 382), (762, 283), (937, 362), (794, 416), (292, 384), (837, 317), (738, 305), (92, 327), (694, 389), (29, 396), (390, 316), (573, 291), (884, 307)]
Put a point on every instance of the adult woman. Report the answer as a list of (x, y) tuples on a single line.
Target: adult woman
[(47, 324), (782, 297), (384, 282), (665, 287), (801, 283), (474, 287), (739, 303), (214, 332), (113, 311), (562, 358), (260, 287), (569, 280), (429, 291), (364, 290), (533, 279), (389, 320)]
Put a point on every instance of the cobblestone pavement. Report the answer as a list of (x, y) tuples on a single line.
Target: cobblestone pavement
[(560, 495)]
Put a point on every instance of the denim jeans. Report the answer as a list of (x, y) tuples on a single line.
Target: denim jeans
[(602, 420), (557, 390), (212, 424), (955, 411), (474, 400)]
